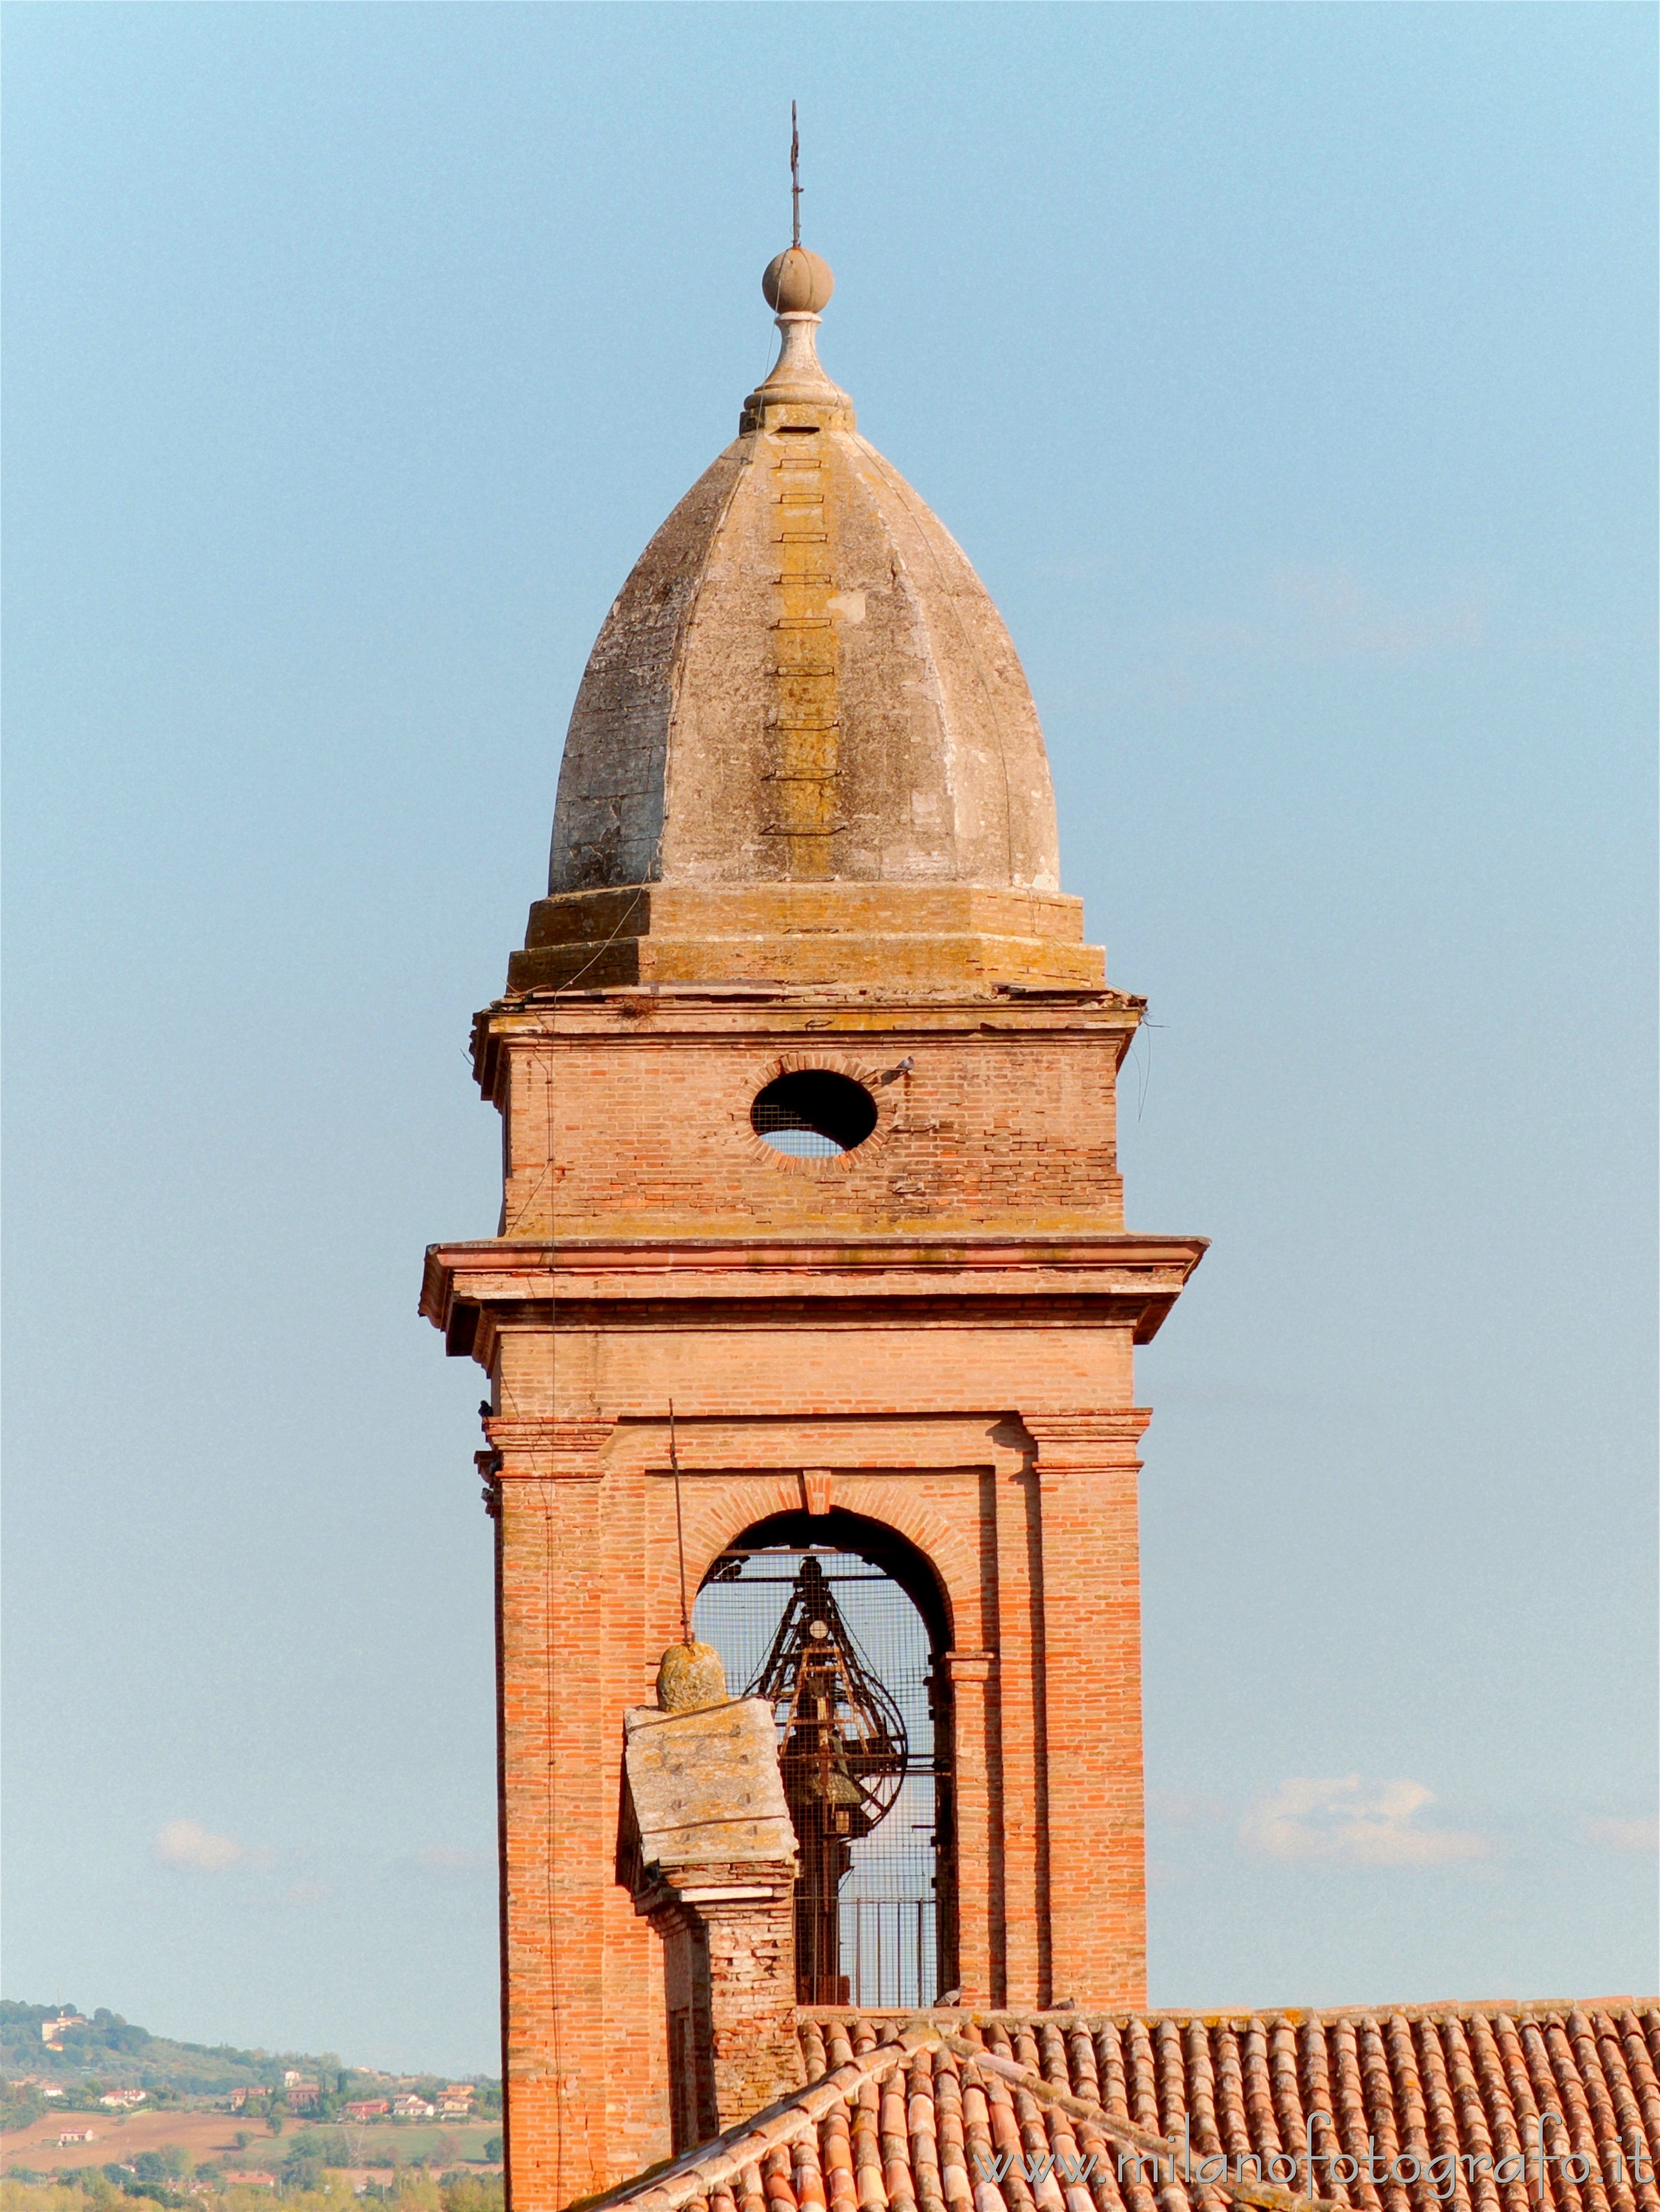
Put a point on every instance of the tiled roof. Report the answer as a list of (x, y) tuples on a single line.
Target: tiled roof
[(1445, 2108)]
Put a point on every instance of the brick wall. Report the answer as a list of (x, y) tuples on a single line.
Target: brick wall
[(729, 1994), (940, 1326), (635, 1122)]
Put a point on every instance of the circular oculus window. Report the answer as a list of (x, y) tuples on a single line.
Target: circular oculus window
[(812, 1115)]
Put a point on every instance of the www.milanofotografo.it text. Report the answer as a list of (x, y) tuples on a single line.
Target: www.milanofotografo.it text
[(1282, 2170)]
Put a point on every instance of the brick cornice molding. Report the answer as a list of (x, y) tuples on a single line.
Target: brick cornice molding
[(547, 1450), (644, 1016), (1069, 1441), (992, 1249), (471, 1289)]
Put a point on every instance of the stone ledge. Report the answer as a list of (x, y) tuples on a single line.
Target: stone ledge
[(965, 959), (936, 934)]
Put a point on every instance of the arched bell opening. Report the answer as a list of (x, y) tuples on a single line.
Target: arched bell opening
[(841, 1624)]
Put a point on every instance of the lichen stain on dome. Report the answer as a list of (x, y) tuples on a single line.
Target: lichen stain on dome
[(802, 680)]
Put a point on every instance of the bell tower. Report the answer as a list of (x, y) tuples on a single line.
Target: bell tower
[(811, 1192)]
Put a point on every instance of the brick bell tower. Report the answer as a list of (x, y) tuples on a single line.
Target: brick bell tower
[(806, 1082)]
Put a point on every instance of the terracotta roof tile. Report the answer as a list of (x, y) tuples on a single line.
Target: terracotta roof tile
[(893, 2120)]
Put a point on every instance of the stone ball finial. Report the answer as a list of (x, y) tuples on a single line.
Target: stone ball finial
[(689, 1677), (797, 283)]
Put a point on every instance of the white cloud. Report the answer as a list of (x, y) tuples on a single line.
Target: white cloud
[(1307, 616), (1181, 1809), (455, 1860), (1625, 1835), (1347, 1821), (195, 1849), (1331, 614)]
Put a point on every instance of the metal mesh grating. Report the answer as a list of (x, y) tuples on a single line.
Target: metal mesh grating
[(813, 1113), (889, 1949), (787, 1131)]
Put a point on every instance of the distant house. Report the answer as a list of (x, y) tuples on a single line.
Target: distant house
[(52, 2030), (76, 2135), (413, 2108), (240, 2098), (121, 2101), (50, 2089), (456, 2102), (302, 2095), (371, 2108)]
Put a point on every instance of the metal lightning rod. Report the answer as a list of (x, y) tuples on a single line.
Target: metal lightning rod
[(795, 177), (679, 1530)]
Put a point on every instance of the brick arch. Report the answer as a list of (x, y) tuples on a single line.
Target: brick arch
[(927, 1562), (950, 1560), (713, 1521)]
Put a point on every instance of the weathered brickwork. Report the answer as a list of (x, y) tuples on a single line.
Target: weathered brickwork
[(630, 1114), (706, 1847), (933, 1333), (730, 2001)]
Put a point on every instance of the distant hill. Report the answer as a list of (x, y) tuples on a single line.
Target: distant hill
[(121, 2055)]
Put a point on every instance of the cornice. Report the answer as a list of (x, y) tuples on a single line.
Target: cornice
[(501, 1267), (716, 1016), (1025, 1278), (872, 1253), (1085, 1442)]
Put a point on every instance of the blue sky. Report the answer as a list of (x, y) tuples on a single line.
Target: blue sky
[(1287, 373)]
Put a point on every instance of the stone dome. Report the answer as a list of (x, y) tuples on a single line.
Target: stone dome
[(803, 681)]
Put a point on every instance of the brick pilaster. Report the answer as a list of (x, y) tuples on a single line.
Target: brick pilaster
[(556, 1836), (1018, 1716), (972, 1676), (1087, 1472)]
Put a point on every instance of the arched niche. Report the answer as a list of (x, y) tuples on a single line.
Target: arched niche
[(892, 1894), (862, 1538)]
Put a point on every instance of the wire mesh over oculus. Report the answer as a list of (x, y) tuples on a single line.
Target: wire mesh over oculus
[(813, 1113)]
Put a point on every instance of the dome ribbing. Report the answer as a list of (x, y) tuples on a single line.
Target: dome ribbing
[(803, 681)]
